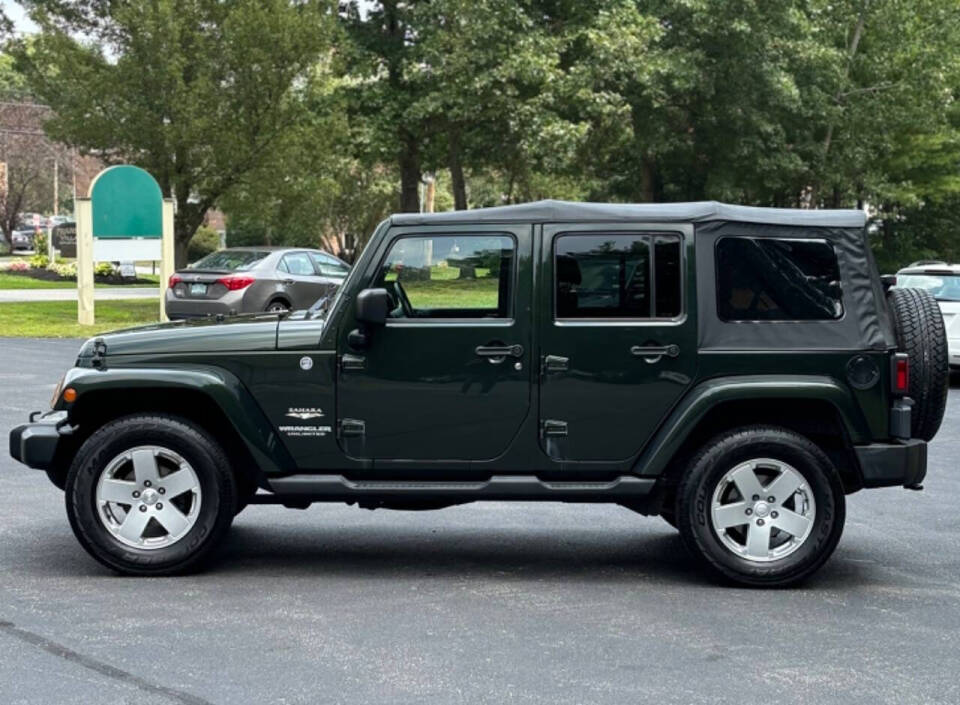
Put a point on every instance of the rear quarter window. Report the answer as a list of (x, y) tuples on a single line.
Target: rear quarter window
[(777, 279)]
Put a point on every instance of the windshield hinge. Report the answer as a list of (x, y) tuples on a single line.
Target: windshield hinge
[(352, 362)]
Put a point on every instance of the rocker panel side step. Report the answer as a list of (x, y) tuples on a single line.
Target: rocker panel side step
[(498, 487)]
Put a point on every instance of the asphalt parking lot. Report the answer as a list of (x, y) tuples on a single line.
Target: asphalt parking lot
[(487, 603)]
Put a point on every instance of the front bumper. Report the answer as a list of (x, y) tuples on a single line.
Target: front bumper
[(35, 444), (892, 464)]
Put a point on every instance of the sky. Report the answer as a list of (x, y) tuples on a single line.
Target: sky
[(15, 12)]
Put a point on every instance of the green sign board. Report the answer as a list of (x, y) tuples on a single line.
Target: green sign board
[(127, 202)]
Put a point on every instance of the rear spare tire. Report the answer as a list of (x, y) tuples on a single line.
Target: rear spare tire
[(921, 335)]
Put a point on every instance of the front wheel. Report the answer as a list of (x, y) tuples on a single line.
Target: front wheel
[(761, 506), (150, 495)]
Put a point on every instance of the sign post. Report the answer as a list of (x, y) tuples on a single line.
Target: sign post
[(85, 316), (124, 218)]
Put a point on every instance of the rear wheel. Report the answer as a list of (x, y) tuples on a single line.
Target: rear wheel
[(761, 506), (150, 495), (278, 306), (921, 334)]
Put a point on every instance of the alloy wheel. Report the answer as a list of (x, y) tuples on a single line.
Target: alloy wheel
[(763, 510), (148, 497)]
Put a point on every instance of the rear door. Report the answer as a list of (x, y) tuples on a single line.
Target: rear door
[(618, 338), (300, 280)]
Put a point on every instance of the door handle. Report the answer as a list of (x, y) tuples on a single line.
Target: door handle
[(653, 353), (496, 354)]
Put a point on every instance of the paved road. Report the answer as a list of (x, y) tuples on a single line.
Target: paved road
[(111, 294), (488, 603)]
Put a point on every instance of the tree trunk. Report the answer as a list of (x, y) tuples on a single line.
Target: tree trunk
[(187, 219), (410, 175), (648, 180), (456, 170)]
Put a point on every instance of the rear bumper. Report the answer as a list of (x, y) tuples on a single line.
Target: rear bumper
[(35, 444), (893, 464), (181, 308)]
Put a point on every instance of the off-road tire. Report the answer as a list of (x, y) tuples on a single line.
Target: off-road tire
[(708, 466), (208, 461), (921, 334)]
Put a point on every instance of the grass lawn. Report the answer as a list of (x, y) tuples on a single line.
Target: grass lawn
[(18, 281), (58, 319)]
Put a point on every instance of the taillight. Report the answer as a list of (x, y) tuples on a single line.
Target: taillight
[(901, 373), (174, 280), (233, 283)]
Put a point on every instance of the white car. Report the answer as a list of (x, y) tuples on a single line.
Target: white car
[(943, 281)]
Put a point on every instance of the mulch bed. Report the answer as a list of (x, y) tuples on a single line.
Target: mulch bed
[(49, 276)]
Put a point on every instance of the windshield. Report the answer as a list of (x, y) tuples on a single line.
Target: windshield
[(943, 286), (231, 260)]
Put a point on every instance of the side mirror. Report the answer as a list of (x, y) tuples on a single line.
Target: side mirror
[(372, 306)]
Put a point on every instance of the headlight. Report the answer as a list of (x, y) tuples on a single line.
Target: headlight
[(56, 391)]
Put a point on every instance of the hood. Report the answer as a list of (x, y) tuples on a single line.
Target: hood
[(205, 335)]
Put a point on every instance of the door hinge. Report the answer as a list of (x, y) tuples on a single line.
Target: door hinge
[(352, 362), (350, 428), (552, 427), (555, 363)]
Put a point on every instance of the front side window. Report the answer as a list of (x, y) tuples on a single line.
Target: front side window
[(449, 276), (618, 275), (773, 279)]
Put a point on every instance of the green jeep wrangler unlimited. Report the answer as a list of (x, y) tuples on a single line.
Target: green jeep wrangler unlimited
[(735, 370)]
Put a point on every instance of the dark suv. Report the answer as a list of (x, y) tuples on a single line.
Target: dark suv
[(737, 371)]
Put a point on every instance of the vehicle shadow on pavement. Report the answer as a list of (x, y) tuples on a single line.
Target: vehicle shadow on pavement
[(653, 557), (656, 556)]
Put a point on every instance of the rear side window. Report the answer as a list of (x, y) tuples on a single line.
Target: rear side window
[(772, 279), (329, 266), (618, 276), (298, 263)]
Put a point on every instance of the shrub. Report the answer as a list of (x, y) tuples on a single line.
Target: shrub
[(67, 270), (18, 265), (103, 269), (40, 242), (39, 261), (203, 242)]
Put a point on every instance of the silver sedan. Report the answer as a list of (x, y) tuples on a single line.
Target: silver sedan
[(253, 279)]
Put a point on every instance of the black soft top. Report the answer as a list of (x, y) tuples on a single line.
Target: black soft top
[(696, 212)]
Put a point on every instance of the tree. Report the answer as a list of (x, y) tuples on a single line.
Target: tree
[(197, 92)]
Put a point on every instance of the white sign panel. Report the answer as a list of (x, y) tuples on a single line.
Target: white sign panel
[(119, 250)]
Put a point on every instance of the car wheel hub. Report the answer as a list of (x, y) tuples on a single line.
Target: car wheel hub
[(762, 510), (148, 497)]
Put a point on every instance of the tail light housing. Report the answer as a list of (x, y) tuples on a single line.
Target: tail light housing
[(900, 373), (236, 281), (174, 280)]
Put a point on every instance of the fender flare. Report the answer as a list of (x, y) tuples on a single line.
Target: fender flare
[(683, 419), (222, 387)]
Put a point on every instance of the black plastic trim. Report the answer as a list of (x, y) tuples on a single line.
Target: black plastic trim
[(892, 464), (498, 487)]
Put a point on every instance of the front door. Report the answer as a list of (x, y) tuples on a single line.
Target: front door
[(447, 379), (618, 336)]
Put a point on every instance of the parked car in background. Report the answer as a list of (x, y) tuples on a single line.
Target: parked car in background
[(942, 280), (252, 279), (22, 238)]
